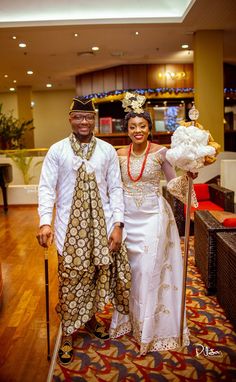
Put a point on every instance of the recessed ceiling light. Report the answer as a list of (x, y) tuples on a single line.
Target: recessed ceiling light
[(184, 46), (5, 75), (117, 53), (12, 89), (85, 53), (137, 33), (95, 48), (76, 34), (22, 45), (14, 37), (14, 81), (30, 72), (49, 85)]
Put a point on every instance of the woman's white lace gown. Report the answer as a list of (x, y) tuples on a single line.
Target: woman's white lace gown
[(155, 257)]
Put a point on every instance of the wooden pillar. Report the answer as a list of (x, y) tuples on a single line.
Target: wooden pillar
[(209, 81), (24, 96)]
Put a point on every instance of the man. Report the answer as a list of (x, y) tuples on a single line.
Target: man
[(81, 175)]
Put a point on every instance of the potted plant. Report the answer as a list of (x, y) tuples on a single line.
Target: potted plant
[(24, 163), (12, 130)]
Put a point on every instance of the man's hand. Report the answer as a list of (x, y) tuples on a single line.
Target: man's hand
[(115, 239), (45, 236)]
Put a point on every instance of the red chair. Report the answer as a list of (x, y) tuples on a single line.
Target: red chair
[(209, 196), (204, 199)]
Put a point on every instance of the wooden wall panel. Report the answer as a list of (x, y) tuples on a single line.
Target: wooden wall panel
[(97, 81), (86, 84), (135, 77), (188, 69), (125, 77), (109, 79), (173, 82), (119, 78), (155, 76)]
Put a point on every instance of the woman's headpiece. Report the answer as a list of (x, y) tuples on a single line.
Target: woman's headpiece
[(133, 102)]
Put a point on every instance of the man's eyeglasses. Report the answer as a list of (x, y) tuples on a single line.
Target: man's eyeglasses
[(81, 117)]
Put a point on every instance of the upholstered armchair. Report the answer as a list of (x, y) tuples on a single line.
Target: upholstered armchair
[(209, 196)]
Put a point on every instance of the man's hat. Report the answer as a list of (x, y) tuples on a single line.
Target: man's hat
[(81, 104)]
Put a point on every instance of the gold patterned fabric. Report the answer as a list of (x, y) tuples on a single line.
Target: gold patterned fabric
[(89, 275)]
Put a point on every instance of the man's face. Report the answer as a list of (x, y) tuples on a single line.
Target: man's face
[(82, 124)]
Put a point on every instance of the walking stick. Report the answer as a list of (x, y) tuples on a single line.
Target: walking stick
[(47, 300), (193, 115), (186, 250)]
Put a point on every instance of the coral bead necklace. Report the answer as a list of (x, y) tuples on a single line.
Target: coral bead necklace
[(143, 165)]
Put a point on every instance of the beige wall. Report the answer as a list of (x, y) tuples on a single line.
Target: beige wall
[(9, 103), (50, 114)]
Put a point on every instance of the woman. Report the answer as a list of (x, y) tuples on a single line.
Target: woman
[(152, 241)]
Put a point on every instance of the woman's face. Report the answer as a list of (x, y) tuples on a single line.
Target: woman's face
[(138, 130)]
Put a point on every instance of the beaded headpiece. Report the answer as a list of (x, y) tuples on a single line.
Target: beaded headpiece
[(133, 102)]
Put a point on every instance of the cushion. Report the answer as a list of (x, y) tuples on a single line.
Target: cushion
[(229, 222), (205, 205), (202, 191)]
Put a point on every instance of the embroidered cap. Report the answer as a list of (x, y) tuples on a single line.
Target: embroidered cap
[(82, 104)]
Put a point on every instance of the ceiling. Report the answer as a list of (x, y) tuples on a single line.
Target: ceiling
[(56, 56)]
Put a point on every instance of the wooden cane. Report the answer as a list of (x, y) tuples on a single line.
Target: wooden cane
[(47, 301), (185, 260)]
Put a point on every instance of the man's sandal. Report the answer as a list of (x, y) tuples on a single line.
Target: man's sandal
[(99, 331), (65, 353)]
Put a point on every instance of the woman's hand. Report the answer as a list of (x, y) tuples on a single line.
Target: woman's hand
[(115, 239), (192, 175), (45, 236)]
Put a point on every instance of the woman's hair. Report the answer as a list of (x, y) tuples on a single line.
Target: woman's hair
[(144, 115)]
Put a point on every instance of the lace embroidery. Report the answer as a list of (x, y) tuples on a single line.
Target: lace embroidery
[(120, 330), (150, 181), (179, 187), (157, 344), (161, 308), (163, 288), (164, 343), (163, 270)]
